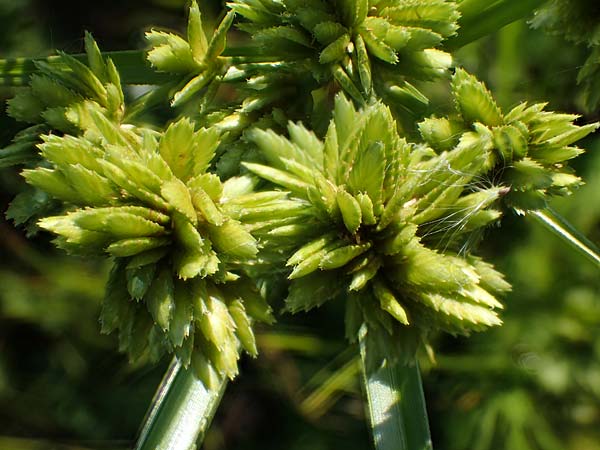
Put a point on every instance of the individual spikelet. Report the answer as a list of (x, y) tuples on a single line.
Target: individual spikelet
[(527, 149)]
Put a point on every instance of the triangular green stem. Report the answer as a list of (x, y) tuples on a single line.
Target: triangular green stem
[(396, 404), (553, 222), (132, 65), (181, 411)]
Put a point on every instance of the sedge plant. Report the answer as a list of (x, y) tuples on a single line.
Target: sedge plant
[(302, 163)]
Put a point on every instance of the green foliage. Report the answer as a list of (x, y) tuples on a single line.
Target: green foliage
[(527, 149), (363, 45), (576, 21), (295, 162)]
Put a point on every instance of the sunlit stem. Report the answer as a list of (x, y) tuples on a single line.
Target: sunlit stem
[(396, 404), (181, 411), (553, 222)]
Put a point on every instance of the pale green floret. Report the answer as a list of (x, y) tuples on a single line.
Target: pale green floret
[(527, 149), (387, 220), (147, 200), (364, 45), (197, 59)]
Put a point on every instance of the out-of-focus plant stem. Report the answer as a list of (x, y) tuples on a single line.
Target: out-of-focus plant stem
[(132, 66), (482, 17), (561, 228)]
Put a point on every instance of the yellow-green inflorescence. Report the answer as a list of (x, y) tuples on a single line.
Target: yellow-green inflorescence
[(196, 58), (147, 200), (57, 98), (382, 224), (527, 149), (364, 45)]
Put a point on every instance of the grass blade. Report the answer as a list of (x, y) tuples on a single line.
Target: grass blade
[(181, 412), (396, 405), (553, 222), (329, 384)]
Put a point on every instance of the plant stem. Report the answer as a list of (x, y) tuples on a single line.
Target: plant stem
[(396, 405), (181, 411), (482, 17), (553, 222), (131, 64)]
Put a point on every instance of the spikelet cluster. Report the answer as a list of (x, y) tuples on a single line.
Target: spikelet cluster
[(527, 149), (364, 45), (196, 59), (147, 200), (57, 98), (365, 197), (357, 212)]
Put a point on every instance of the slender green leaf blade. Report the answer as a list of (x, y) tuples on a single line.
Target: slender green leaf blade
[(181, 412), (396, 404)]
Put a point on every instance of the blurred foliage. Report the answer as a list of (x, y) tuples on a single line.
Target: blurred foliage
[(533, 383)]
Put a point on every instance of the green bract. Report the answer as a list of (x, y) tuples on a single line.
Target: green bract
[(364, 45), (527, 149), (381, 223), (147, 200)]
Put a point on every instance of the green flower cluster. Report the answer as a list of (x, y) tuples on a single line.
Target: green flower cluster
[(527, 149), (379, 218), (197, 59), (362, 44), (147, 200), (358, 212), (57, 99)]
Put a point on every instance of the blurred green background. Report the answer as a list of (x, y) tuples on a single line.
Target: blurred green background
[(533, 384)]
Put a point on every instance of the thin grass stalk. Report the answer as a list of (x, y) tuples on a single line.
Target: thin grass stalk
[(181, 411), (396, 405), (561, 228), (132, 65)]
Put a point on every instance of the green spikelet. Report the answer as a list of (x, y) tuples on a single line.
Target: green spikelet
[(474, 101), (367, 242), (362, 46), (147, 200), (196, 58), (532, 144), (54, 93)]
